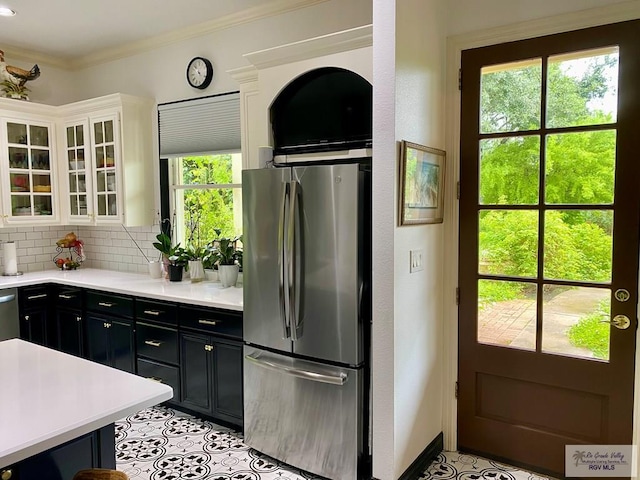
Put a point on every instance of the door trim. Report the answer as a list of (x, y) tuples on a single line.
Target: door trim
[(455, 45)]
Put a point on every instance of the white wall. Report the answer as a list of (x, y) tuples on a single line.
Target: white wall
[(160, 73), (420, 55), (409, 49)]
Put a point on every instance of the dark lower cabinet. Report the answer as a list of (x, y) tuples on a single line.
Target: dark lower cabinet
[(211, 372), (36, 324), (70, 331), (110, 342), (94, 450)]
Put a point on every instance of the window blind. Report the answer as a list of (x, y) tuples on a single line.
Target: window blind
[(202, 125)]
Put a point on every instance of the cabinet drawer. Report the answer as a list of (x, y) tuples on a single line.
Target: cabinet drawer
[(34, 297), (157, 311), (210, 320), (162, 373), (69, 297), (158, 343), (110, 304)]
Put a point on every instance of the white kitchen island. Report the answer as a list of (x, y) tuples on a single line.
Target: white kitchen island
[(55, 405)]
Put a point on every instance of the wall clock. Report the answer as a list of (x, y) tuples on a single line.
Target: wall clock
[(199, 73)]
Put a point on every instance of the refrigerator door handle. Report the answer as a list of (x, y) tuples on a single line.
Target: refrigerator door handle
[(339, 379), (282, 263), (293, 279)]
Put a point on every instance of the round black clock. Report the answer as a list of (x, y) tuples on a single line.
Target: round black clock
[(199, 73)]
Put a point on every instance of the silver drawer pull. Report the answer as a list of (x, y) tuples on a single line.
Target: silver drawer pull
[(106, 304), (66, 297), (34, 297), (208, 322), (155, 379), (153, 312), (153, 343)]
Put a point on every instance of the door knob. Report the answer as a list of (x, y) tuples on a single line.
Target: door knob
[(619, 321)]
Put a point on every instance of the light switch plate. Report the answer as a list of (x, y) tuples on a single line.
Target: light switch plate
[(416, 260)]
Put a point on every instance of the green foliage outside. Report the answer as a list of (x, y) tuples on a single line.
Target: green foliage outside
[(579, 170), (592, 333), (206, 210)]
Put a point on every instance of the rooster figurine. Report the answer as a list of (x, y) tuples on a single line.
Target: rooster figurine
[(16, 75)]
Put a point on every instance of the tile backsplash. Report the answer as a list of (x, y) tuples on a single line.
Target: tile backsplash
[(108, 247)]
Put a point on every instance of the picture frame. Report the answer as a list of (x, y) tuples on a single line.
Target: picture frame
[(422, 171)]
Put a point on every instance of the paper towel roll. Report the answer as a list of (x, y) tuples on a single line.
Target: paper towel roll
[(9, 258)]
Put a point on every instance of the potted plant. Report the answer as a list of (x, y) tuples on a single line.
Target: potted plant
[(194, 256), (228, 257), (163, 245), (178, 258)]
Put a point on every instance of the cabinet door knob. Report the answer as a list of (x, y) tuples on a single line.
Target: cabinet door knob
[(26, 317), (78, 318), (106, 325), (6, 474), (208, 348)]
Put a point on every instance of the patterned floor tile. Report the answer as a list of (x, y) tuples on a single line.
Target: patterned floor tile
[(160, 443)]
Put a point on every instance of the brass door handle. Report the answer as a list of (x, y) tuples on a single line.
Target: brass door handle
[(6, 474), (208, 348), (153, 312), (105, 304), (66, 297), (621, 322)]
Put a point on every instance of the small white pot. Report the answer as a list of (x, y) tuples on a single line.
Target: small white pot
[(228, 275), (196, 272)]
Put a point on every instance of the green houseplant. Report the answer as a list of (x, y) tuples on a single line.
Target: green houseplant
[(227, 254)]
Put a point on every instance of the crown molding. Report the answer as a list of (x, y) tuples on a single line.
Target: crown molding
[(244, 75), (591, 17), (343, 41), (26, 55), (270, 9)]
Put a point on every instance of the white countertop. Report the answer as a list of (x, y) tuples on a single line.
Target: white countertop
[(208, 294), (49, 398)]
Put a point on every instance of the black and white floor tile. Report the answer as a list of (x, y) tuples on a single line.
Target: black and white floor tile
[(164, 444), (459, 466)]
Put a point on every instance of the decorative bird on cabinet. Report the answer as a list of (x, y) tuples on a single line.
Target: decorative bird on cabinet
[(13, 79), (16, 75)]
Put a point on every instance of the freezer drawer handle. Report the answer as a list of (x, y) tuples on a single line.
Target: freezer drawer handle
[(339, 379), (7, 298), (208, 322)]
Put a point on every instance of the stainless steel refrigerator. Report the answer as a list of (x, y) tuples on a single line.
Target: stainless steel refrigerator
[(307, 314)]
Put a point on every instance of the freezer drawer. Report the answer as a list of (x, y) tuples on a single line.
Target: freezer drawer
[(303, 413)]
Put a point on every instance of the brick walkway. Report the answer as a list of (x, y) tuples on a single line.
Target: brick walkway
[(513, 322)]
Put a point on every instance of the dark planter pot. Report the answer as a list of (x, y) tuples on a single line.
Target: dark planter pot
[(175, 273)]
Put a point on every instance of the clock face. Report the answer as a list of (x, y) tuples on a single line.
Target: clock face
[(199, 73)]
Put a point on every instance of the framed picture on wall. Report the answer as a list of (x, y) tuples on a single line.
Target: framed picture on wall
[(421, 184)]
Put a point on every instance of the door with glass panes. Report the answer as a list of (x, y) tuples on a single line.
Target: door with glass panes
[(549, 220)]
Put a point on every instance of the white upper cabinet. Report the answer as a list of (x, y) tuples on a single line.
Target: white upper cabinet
[(28, 169), (88, 162), (108, 161)]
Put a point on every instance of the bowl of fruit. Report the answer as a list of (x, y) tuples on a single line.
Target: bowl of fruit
[(66, 263)]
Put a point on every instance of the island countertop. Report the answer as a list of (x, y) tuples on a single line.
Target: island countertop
[(207, 294), (50, 398)]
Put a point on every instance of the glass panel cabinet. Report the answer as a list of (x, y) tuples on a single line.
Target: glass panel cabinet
[(28, 181)]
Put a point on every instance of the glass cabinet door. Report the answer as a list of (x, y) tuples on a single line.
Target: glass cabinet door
[(30, 169), (106, 186), (78, 169)]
